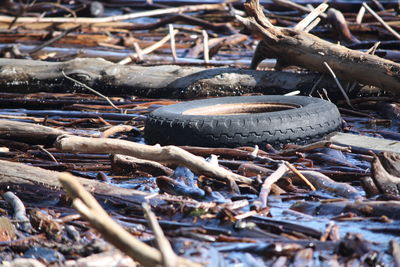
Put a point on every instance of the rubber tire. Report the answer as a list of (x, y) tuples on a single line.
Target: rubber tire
[(311, 121)]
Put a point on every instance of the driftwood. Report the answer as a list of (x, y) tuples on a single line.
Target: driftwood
[(28, 132), (385, 181), (89, 208), (19, 175), (166, 154), (27, 76), (292, 47)]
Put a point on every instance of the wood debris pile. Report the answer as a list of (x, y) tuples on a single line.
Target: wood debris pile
[(333, 202)]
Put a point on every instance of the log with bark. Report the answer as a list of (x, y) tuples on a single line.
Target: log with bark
[(17, 175), (28, 76), (292, 47)]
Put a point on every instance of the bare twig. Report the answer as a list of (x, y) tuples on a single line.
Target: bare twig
[(205, 47), (339, 85), (311, 17), (92, 90), (169, 257), (48, 153), (172, 39), (312, 25), (54, 39), (316, 84), (301, 176), (360, 15), (138, 51), (269, 181), (148, 49), (381, 21)]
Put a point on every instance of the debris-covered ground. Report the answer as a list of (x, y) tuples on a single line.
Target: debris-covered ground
[(330, 203)]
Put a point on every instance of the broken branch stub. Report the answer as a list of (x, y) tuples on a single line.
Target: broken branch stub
[(292, 47)]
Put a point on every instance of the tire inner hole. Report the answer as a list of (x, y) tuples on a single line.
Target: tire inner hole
[(239, 108)]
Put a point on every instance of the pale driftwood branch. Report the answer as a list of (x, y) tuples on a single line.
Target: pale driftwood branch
[(292, 47), (20, 175), (148, 49), (311, 17), (90, 209), (169, 257), (166, 154), (166, 81), (269, 181), (83, 20)]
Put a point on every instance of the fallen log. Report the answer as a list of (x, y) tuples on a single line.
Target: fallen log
[(28, 76), (292, 47), (17, 175), (28, 132)]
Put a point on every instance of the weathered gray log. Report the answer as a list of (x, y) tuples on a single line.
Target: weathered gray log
[(28, 132), (27, 76), (297, 48), (20, 175)]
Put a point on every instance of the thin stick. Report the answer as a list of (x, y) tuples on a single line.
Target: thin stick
[(54, 39), (316, 84), (172, 40), (301, 176), (82, 20), (168, 255), (148, 49), (269, 181), (311, 17), (381, 21), (360, 15), (138, 51), (205, 47), (312, 25), (92, 90), (339, 85), (48, 153)]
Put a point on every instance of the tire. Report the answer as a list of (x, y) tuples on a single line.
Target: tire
[(197, 123)]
